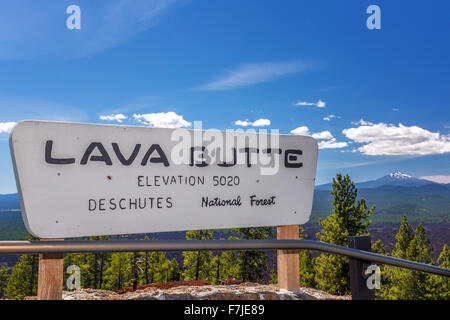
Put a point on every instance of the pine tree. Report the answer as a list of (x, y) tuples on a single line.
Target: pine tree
[(306, 264), (98, 262), (217, 268), (273, 277), (349, 218), (251, 264), (119, 273), (378, 247), (307, 269), (135, 274), (24, 276), (170, 271), (3, 280), (145, 266), (154, 267), (444, 258), (175, 272), (385, 281), (197, 264), (398, 276), (441, 284), (92, 266), (228, 264), (404, 237), (420, 250), (79, 260), (408, 284), (23, 279), (150, 266)]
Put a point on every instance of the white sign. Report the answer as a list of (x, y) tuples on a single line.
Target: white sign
[(84, 179)]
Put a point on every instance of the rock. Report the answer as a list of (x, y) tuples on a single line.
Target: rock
[(230, 281), (90, 294), (243, 291)]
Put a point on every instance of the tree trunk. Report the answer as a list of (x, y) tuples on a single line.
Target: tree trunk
[(102, 265), (119, 282), (218, 269), (33, 274), (146, 268), (135, 275), (95, 271), (197, 271)]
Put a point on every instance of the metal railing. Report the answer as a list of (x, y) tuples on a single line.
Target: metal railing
[(20, 247)]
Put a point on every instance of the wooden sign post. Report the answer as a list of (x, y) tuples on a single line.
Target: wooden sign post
[(50, 277), (288, 260)]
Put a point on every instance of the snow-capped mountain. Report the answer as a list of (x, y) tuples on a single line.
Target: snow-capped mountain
[(392, 179), (395, 179), (399, 175)]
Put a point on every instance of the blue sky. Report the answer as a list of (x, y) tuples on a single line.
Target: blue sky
[(377, 100)]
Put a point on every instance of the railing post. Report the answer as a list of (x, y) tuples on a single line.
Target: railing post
[(51, 273), (287, 260), (358, 278)]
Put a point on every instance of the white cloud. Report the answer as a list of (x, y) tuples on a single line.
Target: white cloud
[(324, 135), (332, 144), (162, 120), (119, 117), (438, 179), (301, 131), (328, 141), (243, 123), (361, 122), (252, 73), (6, 127), (261, 123), (328, 118), (389, 139), (258, 123), (319, 103)]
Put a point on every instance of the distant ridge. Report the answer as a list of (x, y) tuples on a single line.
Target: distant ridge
[(9, 202), (392, 179)]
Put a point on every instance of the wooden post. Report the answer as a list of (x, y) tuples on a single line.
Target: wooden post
[(51, 273), (288, 260), (358, 278)]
